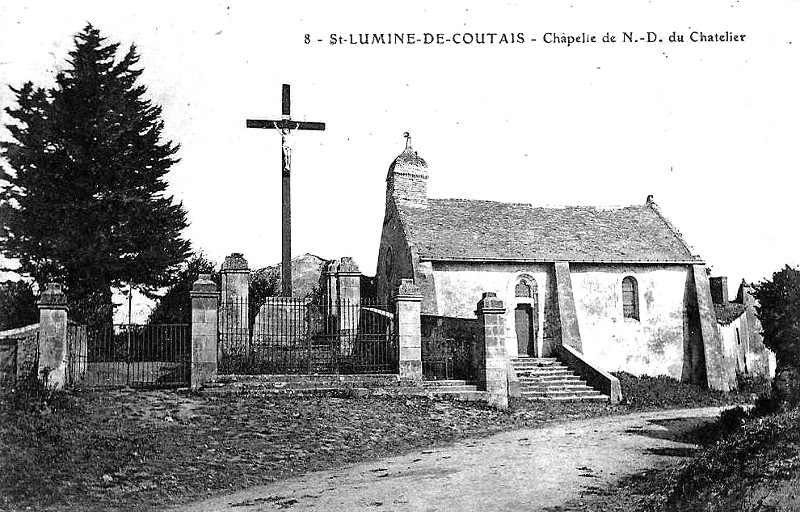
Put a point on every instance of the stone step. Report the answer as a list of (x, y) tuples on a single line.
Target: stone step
[(563, 392), (538, 364), (558, 374), (567, 385), (562, 382), (570, 377), (534, 372), (534, 361), (591, 398), (444, 383), (229, 390), (450, 389), (549, 379), (473, 395), (372, 378), (554, 368)]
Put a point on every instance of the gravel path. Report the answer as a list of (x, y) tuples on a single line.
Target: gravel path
[(526, 469)]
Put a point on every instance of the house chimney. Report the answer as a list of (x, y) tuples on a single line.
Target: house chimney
[(719, 289)]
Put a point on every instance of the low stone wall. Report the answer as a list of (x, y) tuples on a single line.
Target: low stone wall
[(594, 376), (19, 353)]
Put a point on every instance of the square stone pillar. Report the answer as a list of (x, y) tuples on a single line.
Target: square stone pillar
[(53, 350), (490, 354), (205, 301), (409, 334), (234, 319), (348, 282)]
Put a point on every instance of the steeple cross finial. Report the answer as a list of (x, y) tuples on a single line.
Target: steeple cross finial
[(408, 140)]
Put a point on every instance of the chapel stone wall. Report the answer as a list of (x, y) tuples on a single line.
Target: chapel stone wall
[(653, 344)]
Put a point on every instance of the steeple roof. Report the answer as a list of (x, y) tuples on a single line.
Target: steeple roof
[(409, 161)]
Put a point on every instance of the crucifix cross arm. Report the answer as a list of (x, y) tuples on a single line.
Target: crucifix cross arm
[(285, 122)]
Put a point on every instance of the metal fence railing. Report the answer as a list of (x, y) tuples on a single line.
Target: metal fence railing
[(288, 335), (130, 355)]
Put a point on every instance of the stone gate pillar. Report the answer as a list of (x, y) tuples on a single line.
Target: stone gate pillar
[(490, 355), (348, 283), (409, 335), (234, 321), (204, 330), (53, 348)]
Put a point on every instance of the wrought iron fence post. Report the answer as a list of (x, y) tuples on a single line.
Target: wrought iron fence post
[(309, 334)]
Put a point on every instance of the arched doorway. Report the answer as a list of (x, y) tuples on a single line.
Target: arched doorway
[(526, 316)]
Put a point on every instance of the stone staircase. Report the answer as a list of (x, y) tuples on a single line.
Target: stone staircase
[(458, 389), (546, 378), (366, 384)]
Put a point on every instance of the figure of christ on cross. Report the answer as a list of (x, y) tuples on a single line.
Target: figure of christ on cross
[(285, 125)]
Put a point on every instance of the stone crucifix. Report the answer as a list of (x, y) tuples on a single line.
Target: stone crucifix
[(285, 125)]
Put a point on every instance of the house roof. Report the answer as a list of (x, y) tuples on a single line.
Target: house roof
[(462, 230), (727, 313)]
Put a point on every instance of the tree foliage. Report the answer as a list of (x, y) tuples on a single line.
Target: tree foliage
[(85, 198), (17, 305), (778, 310), (175, 307)]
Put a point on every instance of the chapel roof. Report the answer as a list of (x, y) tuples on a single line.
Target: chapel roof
[(465, 230)]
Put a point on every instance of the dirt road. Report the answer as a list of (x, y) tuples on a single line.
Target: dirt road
[(519, 470)]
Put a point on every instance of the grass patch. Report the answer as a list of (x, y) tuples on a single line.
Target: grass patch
[(662, 392)]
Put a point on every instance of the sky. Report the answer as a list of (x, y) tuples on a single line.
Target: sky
[(710, 129)]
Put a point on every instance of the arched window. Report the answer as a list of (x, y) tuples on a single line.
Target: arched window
[(524, 289), (630, 298)]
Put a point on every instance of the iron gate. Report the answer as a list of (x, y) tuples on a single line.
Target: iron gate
[(287, 335), (139, 356)]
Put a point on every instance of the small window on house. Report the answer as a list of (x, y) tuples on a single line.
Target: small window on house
[(738, 339), (523, 289), (630, 298)]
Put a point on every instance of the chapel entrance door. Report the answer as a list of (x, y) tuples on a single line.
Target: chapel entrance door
[(523, 321)]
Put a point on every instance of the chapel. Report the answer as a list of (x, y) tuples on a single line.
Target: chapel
[(619, 286)]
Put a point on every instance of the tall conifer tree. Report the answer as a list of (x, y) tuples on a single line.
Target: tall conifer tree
[(85, 200)]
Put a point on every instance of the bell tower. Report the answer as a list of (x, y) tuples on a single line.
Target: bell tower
[(407, 180)]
